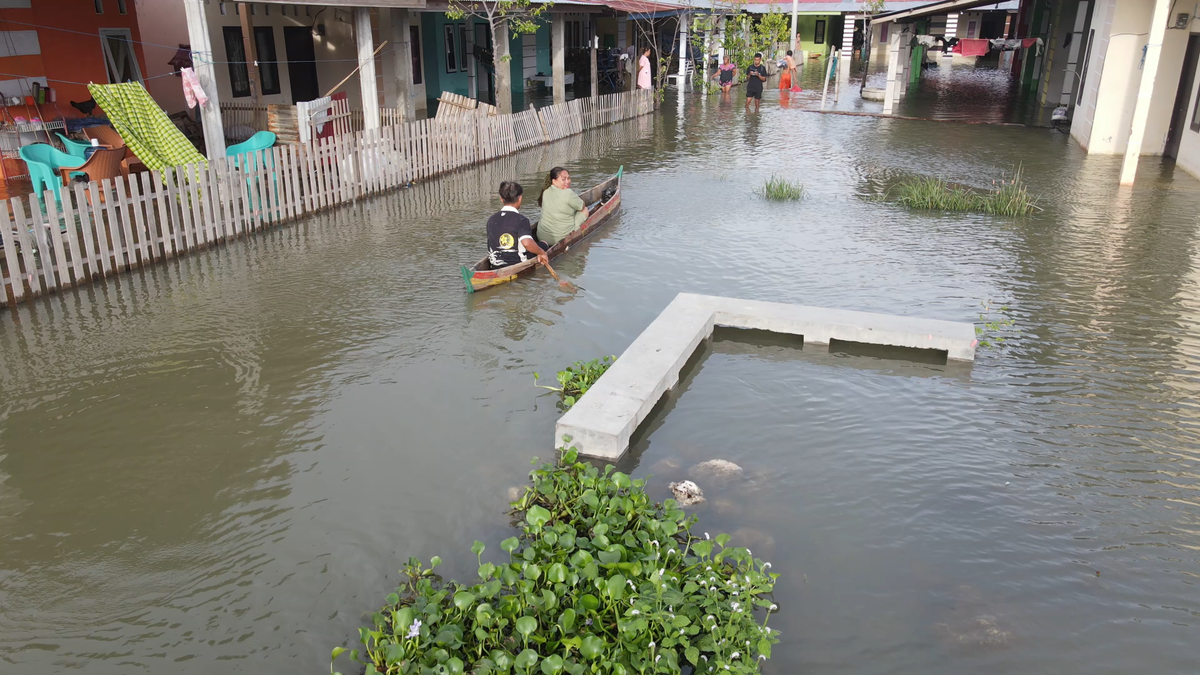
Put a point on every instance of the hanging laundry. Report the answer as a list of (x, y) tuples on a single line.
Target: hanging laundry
[(192, 90), (1029, 42), (974, 47)]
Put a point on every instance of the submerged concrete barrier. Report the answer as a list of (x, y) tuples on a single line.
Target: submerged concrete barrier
[(602, 421)]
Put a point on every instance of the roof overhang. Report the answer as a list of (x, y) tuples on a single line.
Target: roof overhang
[(410, 4), (938, 8)]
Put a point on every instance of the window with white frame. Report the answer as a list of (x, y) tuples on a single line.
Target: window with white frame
[(119, 57)]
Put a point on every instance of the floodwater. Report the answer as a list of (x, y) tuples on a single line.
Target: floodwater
[(218, 465)]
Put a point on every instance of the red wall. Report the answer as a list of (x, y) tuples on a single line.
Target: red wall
[(68, 56)]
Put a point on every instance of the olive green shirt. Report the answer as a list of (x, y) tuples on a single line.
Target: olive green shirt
[(562, 213)]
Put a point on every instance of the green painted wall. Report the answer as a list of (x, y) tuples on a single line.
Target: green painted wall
[(433, 49), (806, 26)]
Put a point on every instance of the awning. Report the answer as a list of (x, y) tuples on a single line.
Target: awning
[(144, 126), (938, 8)]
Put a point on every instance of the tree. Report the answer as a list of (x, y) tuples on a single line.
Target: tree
[(503, 16), (650, 36)]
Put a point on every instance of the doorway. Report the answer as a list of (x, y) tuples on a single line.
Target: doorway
[(483, 65), (302, 66), (1182, 97)]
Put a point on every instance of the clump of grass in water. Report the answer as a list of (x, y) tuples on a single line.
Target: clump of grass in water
[(779, 189), (577, 379), (1010, 198)]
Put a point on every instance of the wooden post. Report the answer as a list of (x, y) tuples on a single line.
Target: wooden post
[(1141, 110), (595, 42), (558, 58), (890, 93), (402, 63), (202, 57), (366, 67), (250, 51)]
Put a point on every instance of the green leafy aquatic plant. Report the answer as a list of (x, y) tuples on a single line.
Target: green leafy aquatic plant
[(577, 379), (988, 332), (779, 189), (600, 579), (1009, 196)]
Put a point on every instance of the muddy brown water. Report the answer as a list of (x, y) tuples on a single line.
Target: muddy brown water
[(218, 465)]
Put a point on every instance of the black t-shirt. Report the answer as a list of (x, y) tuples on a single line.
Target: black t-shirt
[(505, 229), (752, 82)]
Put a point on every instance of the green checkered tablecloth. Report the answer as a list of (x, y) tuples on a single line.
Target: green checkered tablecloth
[(147, 130)]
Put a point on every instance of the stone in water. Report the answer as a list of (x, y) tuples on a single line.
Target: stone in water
[(686, 492), (715, 468)]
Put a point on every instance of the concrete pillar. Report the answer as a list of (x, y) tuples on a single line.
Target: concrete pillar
[(558, 58), (893, 71), (366, 67), (1141, 111), (905, 63), (683, 22), (503, 69), (402, 63), (951, 30), (847, 55), (594, 43), (795, 46), (202, 60)]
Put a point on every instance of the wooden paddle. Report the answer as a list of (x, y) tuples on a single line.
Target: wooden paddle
[(554, 274)]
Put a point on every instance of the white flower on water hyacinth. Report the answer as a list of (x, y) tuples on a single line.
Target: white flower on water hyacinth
[(706, 535), (703, 583), (773, 607), (704, 657), (735, 655), (762, 657), (766, 566), (652, 645), (682, 631), (735, 592), (634, 612), (735, 606), (415, 629), (657, 658), (654, 542), (630, 582), (708, 568)]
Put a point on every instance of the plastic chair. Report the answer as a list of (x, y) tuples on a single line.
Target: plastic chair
[(74, 148), (252, 153), (689, 70), (44, 162), (104, 163), (259, 141)]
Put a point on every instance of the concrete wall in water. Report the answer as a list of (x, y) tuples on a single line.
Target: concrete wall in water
[(1115, 73), (1188, 156)]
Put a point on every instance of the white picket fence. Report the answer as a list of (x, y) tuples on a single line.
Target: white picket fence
[(108, 227)]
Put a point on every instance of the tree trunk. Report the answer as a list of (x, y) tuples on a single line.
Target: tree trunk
[(503, 65)]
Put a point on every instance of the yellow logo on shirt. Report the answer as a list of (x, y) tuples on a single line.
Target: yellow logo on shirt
[(506, 240)]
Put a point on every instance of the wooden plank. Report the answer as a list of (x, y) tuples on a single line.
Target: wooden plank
[(297, 196), (53, 270), (106, 243), (175, 209), (45, 249), (156, 187), (115, 190), (12, 257), (196, 217), (87, 231), (71, 237), (26, 244), (138, 222)]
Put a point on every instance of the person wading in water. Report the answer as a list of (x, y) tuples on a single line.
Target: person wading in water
[(756, 74)]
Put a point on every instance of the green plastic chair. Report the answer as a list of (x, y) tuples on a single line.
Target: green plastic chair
[(74, 148), (259, 141), (252, 153), (44, 161)]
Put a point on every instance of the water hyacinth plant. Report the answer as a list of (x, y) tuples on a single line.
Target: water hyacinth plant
[(1009, 196), (600, 579), (577, 379), (779, 189)]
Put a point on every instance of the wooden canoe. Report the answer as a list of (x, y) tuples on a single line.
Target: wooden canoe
[(481, 275)]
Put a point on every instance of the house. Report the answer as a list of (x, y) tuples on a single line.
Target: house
[(63, 45)]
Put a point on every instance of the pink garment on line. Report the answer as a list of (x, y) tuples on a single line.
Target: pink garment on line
[(192, 90), (974, 47)]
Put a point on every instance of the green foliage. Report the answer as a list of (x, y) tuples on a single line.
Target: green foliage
[(599, 580), (1009, 196), (771, 29), (988, 331), (577, 379), (870, 7), (521, 15), (777, 188)]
